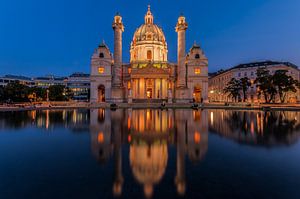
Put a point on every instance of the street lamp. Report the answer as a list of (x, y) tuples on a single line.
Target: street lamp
[(47, 95)]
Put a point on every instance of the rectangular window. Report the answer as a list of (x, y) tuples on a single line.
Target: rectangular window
[(129, 85), (197, 71), (129, 70), (149, 54), (101, 70)]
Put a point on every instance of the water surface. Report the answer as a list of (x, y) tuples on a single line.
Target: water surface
[(149, 153)]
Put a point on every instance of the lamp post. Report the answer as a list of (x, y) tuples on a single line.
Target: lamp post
[(47, 95)]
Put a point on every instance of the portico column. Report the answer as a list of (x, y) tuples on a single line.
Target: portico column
[(145, 95), (160, 92), (138, 93), (154, 90)]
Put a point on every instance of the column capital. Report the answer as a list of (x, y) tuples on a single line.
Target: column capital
[(181, 24), (117, 23)]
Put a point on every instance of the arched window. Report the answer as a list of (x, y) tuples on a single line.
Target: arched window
[(149, 55), (197, 56), (101, 55)]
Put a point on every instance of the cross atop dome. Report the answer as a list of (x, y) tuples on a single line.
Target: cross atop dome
[(149, 16)]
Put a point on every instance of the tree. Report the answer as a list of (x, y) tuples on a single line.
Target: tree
[(233, 89), (245, 84), (59, 93), (37, 93), (16, 92), (264, 83), (1, 93), (284, 84)]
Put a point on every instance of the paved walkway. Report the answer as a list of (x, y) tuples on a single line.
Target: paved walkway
[(80, 105)]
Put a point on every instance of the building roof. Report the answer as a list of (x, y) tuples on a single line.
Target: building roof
[(78, 74), (19, 77), (254, 64), (265, 63)]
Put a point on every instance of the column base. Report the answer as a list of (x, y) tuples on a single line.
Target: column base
[(117, 95), (182, 95)]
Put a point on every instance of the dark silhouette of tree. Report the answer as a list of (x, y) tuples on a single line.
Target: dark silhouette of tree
[(16, 92), (284, 83), (245, 84), (1, 93), (59, 93), (233, 89), (264, 83)]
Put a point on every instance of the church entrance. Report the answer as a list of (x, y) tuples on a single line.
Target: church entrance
[(149, 93), (197, 94), (101, 93), (149, 89)]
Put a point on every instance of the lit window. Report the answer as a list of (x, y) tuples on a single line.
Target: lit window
[(129, 85), (129, 70), (101, 70), (149, 54), (197, 71)]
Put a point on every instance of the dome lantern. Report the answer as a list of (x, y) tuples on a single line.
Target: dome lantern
[(149, 16)]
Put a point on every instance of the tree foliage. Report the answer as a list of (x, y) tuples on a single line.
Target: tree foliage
[(16, 92), (233, 89), (284, 83), (245, 84), (264, 83), (59, 93)]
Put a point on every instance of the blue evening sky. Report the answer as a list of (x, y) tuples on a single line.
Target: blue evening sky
[(39, 37)]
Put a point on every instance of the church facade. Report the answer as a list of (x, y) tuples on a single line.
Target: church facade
[(149, 77)]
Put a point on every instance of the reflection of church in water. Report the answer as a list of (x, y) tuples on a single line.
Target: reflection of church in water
[(149, 134)]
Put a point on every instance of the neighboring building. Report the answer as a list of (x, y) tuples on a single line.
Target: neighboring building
[(50, 80), (149, 77), (218, 81), (79, 83), (15, 78)]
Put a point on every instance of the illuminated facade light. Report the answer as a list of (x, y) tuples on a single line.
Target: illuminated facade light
[(197, 71), (101, 70)]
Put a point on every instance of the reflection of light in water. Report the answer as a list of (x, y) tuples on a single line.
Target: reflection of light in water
[(151, 121), (197, 115), (74, 116), (47, 119), (148, 163), (197, 137), (64, 115), (222, 115), (100, 137), (33, 115), (211, 118), (101, 115), (129, 138), (128, 122), (258, 123), (252, 126)]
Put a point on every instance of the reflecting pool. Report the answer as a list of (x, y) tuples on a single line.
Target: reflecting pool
[(149, 153)]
